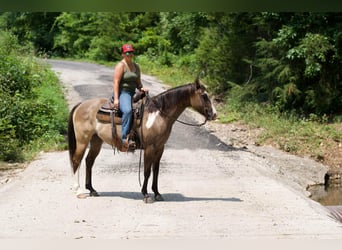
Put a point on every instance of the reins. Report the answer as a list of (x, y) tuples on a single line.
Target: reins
[(193, 125), (184, 123)]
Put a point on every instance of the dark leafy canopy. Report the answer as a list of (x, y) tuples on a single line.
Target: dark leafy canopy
[(290, 60)]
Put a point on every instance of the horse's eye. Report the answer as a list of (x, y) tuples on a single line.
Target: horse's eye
[(205, 96)]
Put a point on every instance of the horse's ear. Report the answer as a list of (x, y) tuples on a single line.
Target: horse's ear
[(197, 83)]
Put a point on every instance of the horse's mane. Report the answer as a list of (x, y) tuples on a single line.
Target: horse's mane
[(170, 97)]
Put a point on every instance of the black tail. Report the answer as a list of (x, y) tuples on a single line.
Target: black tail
[(71, 137)]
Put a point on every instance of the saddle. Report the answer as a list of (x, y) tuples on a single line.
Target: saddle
[(108, 114)]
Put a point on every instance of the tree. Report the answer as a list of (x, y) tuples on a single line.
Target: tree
[(299, 65), (90, 34), (34, 27)]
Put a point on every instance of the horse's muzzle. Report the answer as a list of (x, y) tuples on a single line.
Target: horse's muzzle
[(211, 115)]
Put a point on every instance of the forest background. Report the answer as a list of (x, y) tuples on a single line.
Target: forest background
[(277, 71)]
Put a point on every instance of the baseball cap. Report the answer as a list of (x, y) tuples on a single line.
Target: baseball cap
[(127, 48)]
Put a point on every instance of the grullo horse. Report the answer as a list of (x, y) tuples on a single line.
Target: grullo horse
[(159, 114)]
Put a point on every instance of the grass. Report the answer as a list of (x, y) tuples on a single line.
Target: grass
[(172, 76), (302, 136)]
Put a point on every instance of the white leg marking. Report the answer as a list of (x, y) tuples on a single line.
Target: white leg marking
[(151, 119), (77, 187)]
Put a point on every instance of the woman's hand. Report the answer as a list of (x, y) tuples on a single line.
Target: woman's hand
[(116, 103), (144, 89)]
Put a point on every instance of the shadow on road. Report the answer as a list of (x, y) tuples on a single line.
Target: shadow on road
[(168, 197)]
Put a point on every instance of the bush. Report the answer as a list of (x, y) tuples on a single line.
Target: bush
[(33, 106)]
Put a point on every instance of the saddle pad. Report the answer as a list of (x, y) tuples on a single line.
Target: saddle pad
[(105, 117)]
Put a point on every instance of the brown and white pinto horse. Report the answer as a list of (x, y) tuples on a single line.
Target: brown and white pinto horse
[(159, 115)]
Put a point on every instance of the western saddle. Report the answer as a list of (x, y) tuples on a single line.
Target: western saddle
[(108, 114)]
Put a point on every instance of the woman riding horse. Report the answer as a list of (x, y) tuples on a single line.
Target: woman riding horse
[(126, 80)]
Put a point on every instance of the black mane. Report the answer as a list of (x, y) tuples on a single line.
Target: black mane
[(170, 97)]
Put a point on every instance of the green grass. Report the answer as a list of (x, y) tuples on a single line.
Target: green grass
[(311, 136), (173, 76)]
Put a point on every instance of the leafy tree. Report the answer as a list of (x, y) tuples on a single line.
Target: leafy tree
[(226, 51), (294, 65), (182, 29), (90, 34), (289, 60), (34, 27)]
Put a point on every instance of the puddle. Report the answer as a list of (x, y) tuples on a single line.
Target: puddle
[(327, 195), (330, 197)]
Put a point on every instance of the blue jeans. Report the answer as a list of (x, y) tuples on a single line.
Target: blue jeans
[(125, 103)]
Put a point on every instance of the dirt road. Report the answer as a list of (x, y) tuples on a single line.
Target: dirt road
[(211, 190)]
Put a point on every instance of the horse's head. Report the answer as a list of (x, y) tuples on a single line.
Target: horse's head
[(201, 102)]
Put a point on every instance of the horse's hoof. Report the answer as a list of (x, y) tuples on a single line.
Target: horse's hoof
[(148, 200), (158, 197), (82, 196), (93, 194)]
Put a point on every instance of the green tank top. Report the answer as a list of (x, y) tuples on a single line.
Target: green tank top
[(129, 79)]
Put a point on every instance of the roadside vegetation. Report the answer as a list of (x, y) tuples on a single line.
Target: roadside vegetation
[(33, 110), (275, 71)]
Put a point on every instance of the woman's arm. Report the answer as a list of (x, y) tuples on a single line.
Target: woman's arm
[(139, 83), (118, 71)]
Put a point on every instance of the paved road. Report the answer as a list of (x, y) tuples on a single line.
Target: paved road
[(211, 190)]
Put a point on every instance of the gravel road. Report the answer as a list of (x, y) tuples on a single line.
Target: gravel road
[(211, 190)]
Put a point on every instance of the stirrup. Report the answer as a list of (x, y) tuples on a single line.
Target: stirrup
[(128, 146), (131, 145)]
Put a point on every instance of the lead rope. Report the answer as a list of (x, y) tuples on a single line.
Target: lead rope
[(141, 140), (140, 166)]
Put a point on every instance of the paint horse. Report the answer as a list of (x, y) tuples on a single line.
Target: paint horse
[(160, 113)]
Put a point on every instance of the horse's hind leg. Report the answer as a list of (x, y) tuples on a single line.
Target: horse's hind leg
[(75, 162), (152, 158), (95, 147)]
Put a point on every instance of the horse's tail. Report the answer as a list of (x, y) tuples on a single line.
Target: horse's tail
[(72, 138)]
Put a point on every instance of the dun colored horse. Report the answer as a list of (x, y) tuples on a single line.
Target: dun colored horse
[(160, 113)]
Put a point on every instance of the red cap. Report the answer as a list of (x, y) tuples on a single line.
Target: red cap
[(127, 48)]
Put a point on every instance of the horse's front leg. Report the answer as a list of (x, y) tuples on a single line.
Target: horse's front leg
[(157, 195), (147, 172)]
